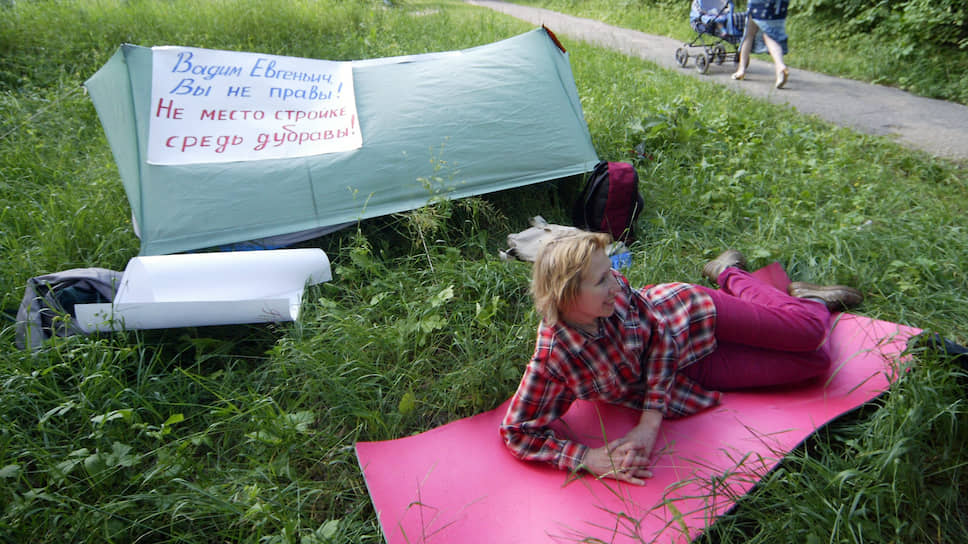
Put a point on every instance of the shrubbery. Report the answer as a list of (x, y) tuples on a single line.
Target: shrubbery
[(908, 22)]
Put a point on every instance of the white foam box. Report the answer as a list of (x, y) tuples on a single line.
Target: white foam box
[(192, 290)]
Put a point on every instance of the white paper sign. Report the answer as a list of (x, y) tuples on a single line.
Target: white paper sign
[(202, 289), (221, 106)]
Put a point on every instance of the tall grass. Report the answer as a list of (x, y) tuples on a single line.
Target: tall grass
[(245, 434)]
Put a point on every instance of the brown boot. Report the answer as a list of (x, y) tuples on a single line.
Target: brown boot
[(835, 297), (726, 259)]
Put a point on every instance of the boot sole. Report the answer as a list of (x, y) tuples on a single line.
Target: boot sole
[(836, 297)]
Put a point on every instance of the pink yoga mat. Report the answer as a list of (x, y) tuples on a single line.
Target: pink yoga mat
[(459, 484)]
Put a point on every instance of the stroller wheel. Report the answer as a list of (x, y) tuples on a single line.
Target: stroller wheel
[(702, 63), (682, 56), (719, 54)]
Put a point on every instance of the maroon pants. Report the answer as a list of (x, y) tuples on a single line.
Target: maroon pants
[(765, 336)]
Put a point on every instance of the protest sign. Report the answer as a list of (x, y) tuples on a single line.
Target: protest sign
[(221, 106)]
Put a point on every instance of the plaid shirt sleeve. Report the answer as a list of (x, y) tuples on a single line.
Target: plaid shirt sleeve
[(683, 332), (541, 398)]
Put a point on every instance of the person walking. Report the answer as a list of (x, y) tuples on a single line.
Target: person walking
[(765, 32)]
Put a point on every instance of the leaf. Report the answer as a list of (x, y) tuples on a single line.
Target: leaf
[(677, 517), (325, 533), (265, 438), (256, 511), (484, 314), (431, 324), (94, 464), (121, 456), (300, 421), (442, 297), (407, 404), (329, 529), (10, 471), (63, 469), (174, 418), (112, 415), (58, 411)]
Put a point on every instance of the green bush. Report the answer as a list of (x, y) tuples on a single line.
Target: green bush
[(909, 22)]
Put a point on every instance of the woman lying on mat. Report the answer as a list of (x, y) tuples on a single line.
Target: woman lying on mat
[(666, 350)]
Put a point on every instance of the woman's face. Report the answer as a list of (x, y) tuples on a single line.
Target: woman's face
[(596, 295)]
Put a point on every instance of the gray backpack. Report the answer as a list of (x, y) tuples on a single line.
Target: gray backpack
[(47, 308)]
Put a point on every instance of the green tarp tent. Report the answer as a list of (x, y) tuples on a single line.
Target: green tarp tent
[(451, 124)]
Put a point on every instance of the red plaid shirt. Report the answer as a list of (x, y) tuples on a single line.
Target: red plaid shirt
[(633, 361)]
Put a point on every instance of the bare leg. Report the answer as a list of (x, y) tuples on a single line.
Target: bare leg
[(776, 52), (745, 49)]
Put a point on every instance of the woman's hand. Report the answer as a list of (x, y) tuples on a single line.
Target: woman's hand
[(618, 461), (628, 458)]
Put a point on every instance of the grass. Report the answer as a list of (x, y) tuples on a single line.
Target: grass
[(913, 64), (245, 434)]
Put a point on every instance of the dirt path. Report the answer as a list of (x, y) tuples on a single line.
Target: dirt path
[(935, 126)]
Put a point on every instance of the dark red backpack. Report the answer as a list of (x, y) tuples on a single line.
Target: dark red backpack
[(610, 201)]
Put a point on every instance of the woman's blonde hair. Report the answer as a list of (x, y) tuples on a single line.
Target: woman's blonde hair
[(558, 268)]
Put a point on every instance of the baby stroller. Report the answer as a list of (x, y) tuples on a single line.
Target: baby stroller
[(719, 30)]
